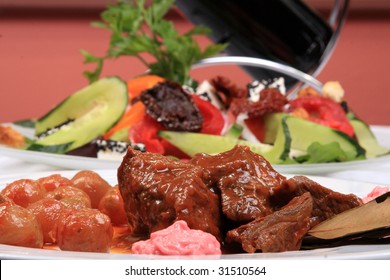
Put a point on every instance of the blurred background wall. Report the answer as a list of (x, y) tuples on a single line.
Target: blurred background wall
[(41, 64)]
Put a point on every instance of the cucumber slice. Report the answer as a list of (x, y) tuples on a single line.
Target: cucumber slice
[(234, 131), (121, 135), (271, 125), (367, 139), (303, 133), (84, 115), (282, 144), (293, 135), (192, 143)]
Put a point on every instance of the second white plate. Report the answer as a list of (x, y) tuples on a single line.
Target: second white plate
[(78, 162)]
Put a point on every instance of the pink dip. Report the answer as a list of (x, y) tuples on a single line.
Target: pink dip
[(377, 191), (178, 239)]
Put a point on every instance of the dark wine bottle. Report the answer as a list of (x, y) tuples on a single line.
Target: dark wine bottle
[(284, 31)]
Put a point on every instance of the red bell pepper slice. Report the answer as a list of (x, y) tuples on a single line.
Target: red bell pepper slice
[(257, 127), (213, 120)]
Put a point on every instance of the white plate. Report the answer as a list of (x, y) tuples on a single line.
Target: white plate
[(78, 162), (343, 252), (62, 161)]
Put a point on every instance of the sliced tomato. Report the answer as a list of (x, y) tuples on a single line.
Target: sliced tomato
[(145, 132), (256, 126), (213, 120), (325, 111)]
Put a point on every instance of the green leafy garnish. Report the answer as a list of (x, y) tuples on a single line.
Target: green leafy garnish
[(137, 31), (318, 153), (29, 123)]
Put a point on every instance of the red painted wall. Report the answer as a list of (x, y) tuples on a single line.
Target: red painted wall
[(41, 64)]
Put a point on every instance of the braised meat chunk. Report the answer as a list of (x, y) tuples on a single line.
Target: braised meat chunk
[(244, 179), (237, 196), (327, 202), (281, 231), (157, 191)]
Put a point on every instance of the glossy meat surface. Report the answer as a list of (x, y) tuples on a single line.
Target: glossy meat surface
[(281, 231), (326, 202), (236, 196), (158, 191), (244, 179)]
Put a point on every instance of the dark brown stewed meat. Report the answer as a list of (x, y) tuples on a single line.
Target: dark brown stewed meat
[(327, 202), (281, 231), (237, 192), (157, 191), (244, 179)]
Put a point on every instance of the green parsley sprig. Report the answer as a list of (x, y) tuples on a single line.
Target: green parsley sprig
[(137, 30)]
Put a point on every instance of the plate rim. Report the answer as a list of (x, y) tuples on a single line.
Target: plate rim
[(342, 252), (79, 162)]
